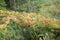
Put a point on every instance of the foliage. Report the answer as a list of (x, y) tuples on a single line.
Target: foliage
[(49, 7), (35, 19), (32, 26)]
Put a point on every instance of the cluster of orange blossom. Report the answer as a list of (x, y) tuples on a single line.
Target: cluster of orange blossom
[(30, 18)]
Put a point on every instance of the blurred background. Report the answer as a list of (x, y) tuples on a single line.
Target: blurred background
[(46, 8)]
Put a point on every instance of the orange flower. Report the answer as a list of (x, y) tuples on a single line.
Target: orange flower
[(46, 20)]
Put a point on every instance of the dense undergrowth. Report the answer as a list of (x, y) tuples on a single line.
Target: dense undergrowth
[(30, 20), (26, 26)]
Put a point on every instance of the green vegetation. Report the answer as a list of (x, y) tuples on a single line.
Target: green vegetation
[(30, 20)]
